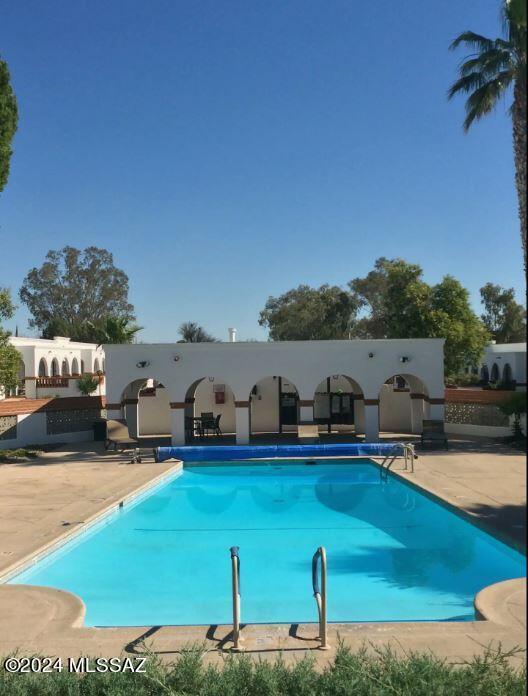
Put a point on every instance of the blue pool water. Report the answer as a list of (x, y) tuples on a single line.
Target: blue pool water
[(393, 553)]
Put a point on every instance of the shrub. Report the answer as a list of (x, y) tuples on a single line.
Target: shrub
[(349, 674), (87, 384), (515, 405)]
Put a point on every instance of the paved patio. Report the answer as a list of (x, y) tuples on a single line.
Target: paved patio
[(40, 500)]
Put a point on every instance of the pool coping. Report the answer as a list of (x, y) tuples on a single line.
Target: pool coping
[(97, 518)]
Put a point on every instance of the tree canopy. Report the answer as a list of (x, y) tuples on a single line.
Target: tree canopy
[(8, 122), (108, 329), (76, 287), (504, 318), (391, 301), (306, 313), (10, 358), (191, 332)]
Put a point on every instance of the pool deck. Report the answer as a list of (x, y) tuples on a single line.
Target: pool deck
[(42, 499)]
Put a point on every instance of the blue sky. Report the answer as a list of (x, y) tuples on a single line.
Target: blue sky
[(225, 151)]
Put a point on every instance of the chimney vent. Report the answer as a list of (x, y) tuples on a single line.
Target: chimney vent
[(232, 335)]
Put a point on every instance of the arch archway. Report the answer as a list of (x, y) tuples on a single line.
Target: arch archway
[(82, 367), (403, 404), (507, 374), (339, 405), (495, 373), (43, 368), (75, 367), (209, 399), (96, 365), (145, 405), (273, 406), (65, 368), (484, 374), (55, 371)]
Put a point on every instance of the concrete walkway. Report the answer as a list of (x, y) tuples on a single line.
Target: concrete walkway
[(40, 500)]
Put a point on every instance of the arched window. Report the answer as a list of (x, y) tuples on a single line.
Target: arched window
[(96, 365), (75, 367), (43, 368), (54, 367), (484, 374), (65, 369), (507, 375), (495, 375)]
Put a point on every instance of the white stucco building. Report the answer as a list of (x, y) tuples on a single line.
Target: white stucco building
[(51, 367), (362, 386), (505, 362)]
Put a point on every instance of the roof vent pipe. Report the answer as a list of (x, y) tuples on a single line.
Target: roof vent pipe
[(232, 335)]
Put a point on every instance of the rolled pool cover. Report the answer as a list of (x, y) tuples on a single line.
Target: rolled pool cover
[(226, 453)]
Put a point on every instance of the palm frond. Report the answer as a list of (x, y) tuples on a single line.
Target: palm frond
[(475, 41), (467, 83), (484, 99), (488, 63)]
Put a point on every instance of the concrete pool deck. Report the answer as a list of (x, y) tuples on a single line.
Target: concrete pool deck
[(41, 499)]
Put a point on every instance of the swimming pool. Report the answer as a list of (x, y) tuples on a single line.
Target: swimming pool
[(393, 553)]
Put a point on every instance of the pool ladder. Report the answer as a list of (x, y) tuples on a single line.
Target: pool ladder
[(400, 448), (319, 593)]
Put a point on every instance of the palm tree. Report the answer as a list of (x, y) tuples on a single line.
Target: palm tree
[(191, 332), (487, 74), (115, 330)]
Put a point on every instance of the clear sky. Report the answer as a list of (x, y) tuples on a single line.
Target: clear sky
[(228, 150)]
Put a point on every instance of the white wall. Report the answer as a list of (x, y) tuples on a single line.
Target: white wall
[(32, 430), (154, 414), (395, 410)]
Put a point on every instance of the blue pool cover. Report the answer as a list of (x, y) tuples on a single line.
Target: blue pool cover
[(221, 453)]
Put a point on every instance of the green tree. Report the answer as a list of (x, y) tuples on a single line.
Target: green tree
[(486, 75), (76, 287), (8, 122), (10, 358), (306, 313), (504, 318), (452, 318), (191, 332), (398, 303), (105, 330), (87, 384)]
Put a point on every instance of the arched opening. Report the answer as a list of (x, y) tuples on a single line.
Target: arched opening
[(146, 408), (55, 372), (82, 367), (65, 368), (75, 367), (209, 410), (273, 406), (495, 373), (43, 368), (507, 374), (339, 405), (484, 374), (96, 365), (403, 404)]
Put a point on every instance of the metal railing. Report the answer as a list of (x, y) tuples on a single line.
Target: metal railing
[(235, 580), (319, 592), (405, 449)]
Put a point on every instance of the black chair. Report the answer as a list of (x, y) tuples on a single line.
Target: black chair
[(433, 433), (192, 426), (217, 430), (207, 422)]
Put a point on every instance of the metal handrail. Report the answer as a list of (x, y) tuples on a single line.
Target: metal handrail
[(235, 580), (409, 455), (319, 592)]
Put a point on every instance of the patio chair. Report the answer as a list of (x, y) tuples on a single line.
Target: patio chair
[(433, 432), (217, 430), (193, 427), (308, 433), (117, 434)]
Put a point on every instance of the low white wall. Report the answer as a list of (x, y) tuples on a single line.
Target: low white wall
[(32, 430), (483, 430)]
